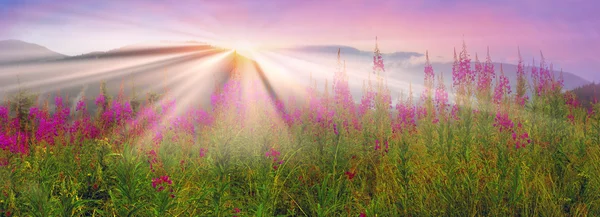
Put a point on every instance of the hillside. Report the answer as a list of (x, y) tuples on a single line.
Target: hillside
[(587, 93), (403, 68), (162, 65), (20, 52)]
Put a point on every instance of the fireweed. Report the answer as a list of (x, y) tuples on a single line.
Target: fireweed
[(350, 157)]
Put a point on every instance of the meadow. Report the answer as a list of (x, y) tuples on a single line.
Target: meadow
[(493, 149)]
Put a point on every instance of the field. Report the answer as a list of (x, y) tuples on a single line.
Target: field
[(492, 149)]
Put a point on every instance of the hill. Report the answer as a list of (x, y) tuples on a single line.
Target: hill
[(20, 52), (587, 93)]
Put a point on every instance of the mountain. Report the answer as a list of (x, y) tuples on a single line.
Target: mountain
[(169, 64), (20, 52), (151, 68), (571, 80), (146, 49), (347, 50), (403, 68), (587, 93)]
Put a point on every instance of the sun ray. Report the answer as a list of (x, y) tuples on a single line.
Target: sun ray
[(75, 78)]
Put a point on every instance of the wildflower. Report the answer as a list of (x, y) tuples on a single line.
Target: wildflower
[(202, 152), (377, 146), (386, 146), (441, 96), (167, 180), (236, 210), (274, 154), (152, 159), (80, 105), (155, 182), (3, 162), (335, 130), (161, 182), (520, 138), (502, 88), (429, 78), (486, 75), (100, 100), (454, 111), (350, 175), (571, 118), (503, 122)]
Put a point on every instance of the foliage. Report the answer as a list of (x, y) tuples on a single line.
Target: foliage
[(489, 152)]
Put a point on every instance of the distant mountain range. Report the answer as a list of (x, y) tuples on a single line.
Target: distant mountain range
[(587, 93), (20, 58), (30, 66), (408, 66), (346, 50), (15, 52), (19, 52)]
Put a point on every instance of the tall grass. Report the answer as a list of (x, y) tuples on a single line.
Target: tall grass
[(490, 152)]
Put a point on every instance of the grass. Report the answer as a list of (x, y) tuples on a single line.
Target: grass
[(258, 164)]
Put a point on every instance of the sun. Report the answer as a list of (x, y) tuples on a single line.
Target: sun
[(245, 45), (242, 47)]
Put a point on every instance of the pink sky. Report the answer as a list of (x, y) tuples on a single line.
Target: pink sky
[(566, 31)]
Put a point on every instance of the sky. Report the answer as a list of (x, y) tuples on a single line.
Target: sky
[(567, 31)]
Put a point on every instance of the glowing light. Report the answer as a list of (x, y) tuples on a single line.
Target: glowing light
[(242, 47)]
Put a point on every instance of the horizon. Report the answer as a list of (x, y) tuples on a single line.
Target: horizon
[(420, 61), (562, 31)]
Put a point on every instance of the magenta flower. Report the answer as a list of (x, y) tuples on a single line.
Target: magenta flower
[(100, 100), (167, 180), (386, 146), (236, 210), (350, 174), (429, 79), (80, 105), (335, 130), (520, 137), (441, 98), (274, 155), (502, 89), (454, 111), (160, 183), (485, 75), (503, 122), (152, 159), (202, 152)]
